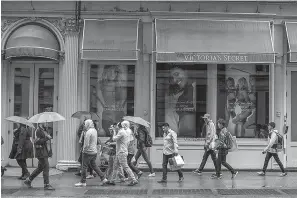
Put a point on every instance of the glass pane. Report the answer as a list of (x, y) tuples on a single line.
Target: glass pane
[(46, 92), (21, 92), (293, 106), (181, 98), (243, 99), (111, 94)]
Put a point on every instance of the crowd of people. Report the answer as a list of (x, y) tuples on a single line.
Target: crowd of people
[(122, 153)]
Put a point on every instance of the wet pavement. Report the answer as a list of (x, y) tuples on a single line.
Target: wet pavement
[(246, 184)]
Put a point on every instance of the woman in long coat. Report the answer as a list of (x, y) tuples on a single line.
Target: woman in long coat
[(22, 149)]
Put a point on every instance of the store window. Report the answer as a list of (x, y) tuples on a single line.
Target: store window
[(243, 99), (181, 98), (111, 94)]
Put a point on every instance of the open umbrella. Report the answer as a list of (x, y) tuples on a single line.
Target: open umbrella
[(137, 120), (46, 117), (21, 120), (85, 114)]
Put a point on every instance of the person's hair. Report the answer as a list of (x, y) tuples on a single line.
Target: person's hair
[(165, 124), (120, 125), (114, 124), (244, 83), (272, 124), (222, 122), (126, 123), (94, 123), (231, 80)]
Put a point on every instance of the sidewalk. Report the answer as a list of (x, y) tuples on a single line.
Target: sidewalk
[(246, 184)]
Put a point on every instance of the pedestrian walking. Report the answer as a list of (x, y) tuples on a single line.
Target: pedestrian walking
[(271, 150), (210, 136), (22, 149), (122, 139), (223, 143), (42, 153), (170, 149), (90, 153), (141, 135)]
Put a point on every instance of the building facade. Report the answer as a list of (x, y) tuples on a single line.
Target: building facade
[(163, 61)]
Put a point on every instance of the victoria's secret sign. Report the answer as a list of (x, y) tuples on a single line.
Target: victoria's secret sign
[(215, 57)]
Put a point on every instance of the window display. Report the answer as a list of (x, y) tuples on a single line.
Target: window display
[(111, 94)]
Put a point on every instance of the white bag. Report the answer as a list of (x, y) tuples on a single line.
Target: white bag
[(179, 161), (234, 145)]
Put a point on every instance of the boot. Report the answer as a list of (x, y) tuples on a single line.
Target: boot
[(27, 182)]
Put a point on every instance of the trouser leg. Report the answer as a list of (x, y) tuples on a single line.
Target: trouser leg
[(46, 171), (164, 165), (146, 159), (131, 166), (275, 155), (267, 158), (204, 160), (38, 170), (123, 163), (95, 167)]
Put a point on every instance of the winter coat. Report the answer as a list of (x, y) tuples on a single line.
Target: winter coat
[(41, 149), (22, 147)]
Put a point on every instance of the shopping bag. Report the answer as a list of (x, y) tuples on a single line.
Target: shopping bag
[(234, 146), (172, 165), (179, 160)]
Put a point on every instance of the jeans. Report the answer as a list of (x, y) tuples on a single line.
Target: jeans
[(222, 161), (267, 158), (142, 151), (131, 165), (205, 157), (43, 166), (90, 159), (23, 164), (164, 165), (121, 160), (109, 170)]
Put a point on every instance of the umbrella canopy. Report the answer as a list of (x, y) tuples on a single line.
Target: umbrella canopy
[(85, 114), (21, 120), (137, 120), (46, 117)]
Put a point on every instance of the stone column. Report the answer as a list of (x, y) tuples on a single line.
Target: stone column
[(68, 99), (211, 99)]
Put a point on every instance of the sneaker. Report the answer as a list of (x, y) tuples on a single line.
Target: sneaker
[(48, 187), (28, 183), (122, 180), (25, 176), (181, 179), (104, 182), (162, 181), (152, 175), (283, 174), (139, 174), (20, 177), (261, 173), (79, 184), (78, 174), (216, 177), (126, 179), (197, 172), (90, 177), (110, 183), (234, 174), (133, 183)]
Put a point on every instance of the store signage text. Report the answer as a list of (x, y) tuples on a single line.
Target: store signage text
[(31, 52), (212, 58)]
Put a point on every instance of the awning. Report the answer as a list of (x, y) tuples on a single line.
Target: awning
[(291, 28), (110, 39), (208, 41), (32, 41)]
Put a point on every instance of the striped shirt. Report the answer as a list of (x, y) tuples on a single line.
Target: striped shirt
[(170, 142)]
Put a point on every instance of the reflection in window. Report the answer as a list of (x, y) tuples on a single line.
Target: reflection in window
[(111, 94), (181, 98), (21, 92), (243, 99)]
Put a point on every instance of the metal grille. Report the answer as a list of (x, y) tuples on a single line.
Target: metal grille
[(181, 191), (247, 192), (8, 191), (290, 191), (117, 192)]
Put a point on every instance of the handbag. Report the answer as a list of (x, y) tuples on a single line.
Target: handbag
[(176, 163)]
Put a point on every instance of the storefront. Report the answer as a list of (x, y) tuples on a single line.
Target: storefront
[(224, 68)]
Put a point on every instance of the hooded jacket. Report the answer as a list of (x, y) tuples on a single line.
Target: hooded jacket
[(90, 139)]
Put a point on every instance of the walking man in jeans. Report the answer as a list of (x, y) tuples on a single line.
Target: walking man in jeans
[(210, 136), (89, 153), (223, 142), (170, 150), (271, 150)]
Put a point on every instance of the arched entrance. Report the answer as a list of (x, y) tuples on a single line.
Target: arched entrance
[(32, 51)]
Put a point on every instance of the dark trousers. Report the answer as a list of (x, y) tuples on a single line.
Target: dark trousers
[(43, 166), (205, 157), (267, 158), (131, 165), (142, 152), (90, 159), (165, 162), (89, 167), (222, 161), (23, 164)]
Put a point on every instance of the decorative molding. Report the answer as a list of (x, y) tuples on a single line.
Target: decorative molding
[(2, 54), (62, 55), (72, 26), (6, 23)]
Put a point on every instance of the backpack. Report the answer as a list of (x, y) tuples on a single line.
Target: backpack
[(148, 141), (231, 142), (280, 142)]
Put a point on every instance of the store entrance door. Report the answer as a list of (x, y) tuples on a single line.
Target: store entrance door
[(33, 89), (292, 116)]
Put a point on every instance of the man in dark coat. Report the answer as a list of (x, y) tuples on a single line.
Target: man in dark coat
[(42, 153), (22, 149)]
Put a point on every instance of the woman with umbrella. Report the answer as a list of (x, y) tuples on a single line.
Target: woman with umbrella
[(22, 148)]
